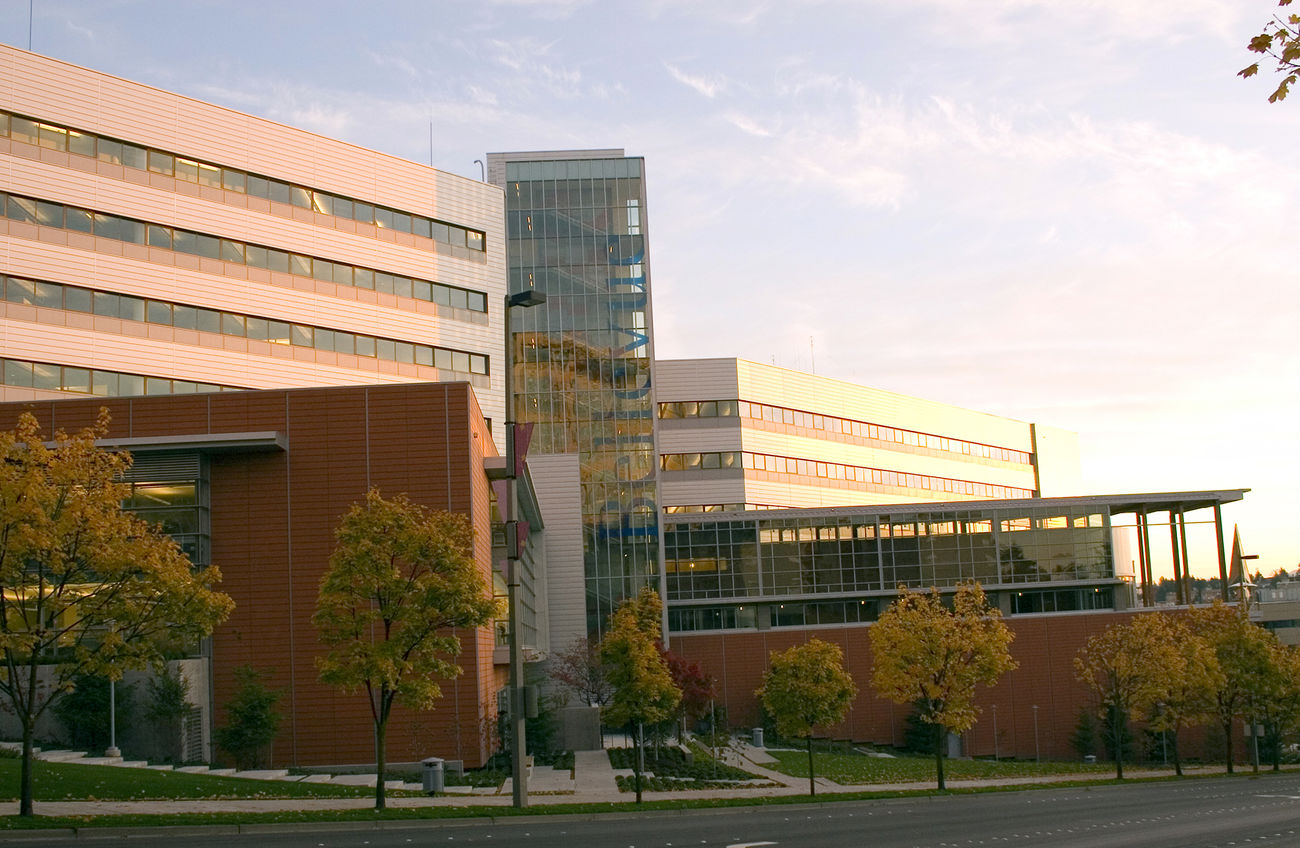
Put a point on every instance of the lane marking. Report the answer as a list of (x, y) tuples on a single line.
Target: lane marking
[(749, 844)]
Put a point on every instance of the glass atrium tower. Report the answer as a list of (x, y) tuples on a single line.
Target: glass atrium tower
[(575, 227)]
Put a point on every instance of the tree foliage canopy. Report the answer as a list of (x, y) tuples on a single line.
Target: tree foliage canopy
[(1245, 652), (86, 589), (579, 669), (1280, 42), (933, 657), (401, 576), (643, 689), (805, 687), (1129, 668)]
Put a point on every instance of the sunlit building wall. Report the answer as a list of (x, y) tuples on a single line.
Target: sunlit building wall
[(736, 434), (155, 244)]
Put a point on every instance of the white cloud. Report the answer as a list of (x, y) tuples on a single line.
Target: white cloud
[(747, 124), (707, 86)]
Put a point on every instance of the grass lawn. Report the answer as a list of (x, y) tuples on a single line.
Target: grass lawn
[(69, 782), (859, 769)]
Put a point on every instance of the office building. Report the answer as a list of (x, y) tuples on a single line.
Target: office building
[(576, 230), (744, 584), (735, 435), (154, 244)]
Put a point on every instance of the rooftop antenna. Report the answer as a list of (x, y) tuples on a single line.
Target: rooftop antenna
[(431, 142), (481, 173), (31, 7), (812, 355)]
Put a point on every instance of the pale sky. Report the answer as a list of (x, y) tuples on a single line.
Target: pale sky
[(1065, 212)]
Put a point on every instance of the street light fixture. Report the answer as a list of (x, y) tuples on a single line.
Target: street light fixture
[(519, 775)]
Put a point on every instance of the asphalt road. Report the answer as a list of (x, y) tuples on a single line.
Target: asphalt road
[(1206, 813)]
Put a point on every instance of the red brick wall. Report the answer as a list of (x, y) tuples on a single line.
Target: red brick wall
[(1044, 647), (273, 515)]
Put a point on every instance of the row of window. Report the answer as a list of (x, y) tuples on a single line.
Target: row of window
[(116, 152), (46, 214), (688, 619), (687, 509), (834, 424), (128, 308), (798, 532), (65, 378), (835, 471)]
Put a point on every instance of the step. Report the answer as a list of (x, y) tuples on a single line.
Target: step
[(194, 769), (354, 779), (152, 767), (57, 756), (262, 774)]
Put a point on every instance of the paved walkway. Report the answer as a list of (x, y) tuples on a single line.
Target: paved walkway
[(592, 781)]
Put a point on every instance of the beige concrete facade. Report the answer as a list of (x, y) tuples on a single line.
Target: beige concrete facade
[(737, 434), (411, 293)]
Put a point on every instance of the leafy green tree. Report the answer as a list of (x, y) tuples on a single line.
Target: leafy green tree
[(1126, 667), (252, 718), (83, 712), (643, 689), (932, 656), (167, 706), (806, 686), (1246, 659), (1280, 42), (1084, 737), (400, 577), (1279, 709), (86, 590)]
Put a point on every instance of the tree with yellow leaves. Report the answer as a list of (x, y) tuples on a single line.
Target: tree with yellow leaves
[(401, 576), (1280, 41), (932, 656), (643, 688), (85, 588), (1127, 668), (1191, 679), (806, 686), (1246, 657)]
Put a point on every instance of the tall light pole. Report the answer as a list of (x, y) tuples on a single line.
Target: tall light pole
[(519, 774), (1036, 756), (995, 733)]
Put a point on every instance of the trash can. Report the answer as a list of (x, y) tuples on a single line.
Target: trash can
[(758, 737), (434, 779)]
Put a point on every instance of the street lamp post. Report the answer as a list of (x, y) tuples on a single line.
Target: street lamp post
[(519, 774), (1037, 759), (995, 733), (112, 750)]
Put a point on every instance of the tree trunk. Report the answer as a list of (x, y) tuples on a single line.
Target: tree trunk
[(1117, 740), (812, 783), (1227, 743), (25, 793), (1178, 761), (381, 730), (636, 759), (939, 740)]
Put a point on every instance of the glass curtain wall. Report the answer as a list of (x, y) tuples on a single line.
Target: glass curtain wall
[(576, 231)]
